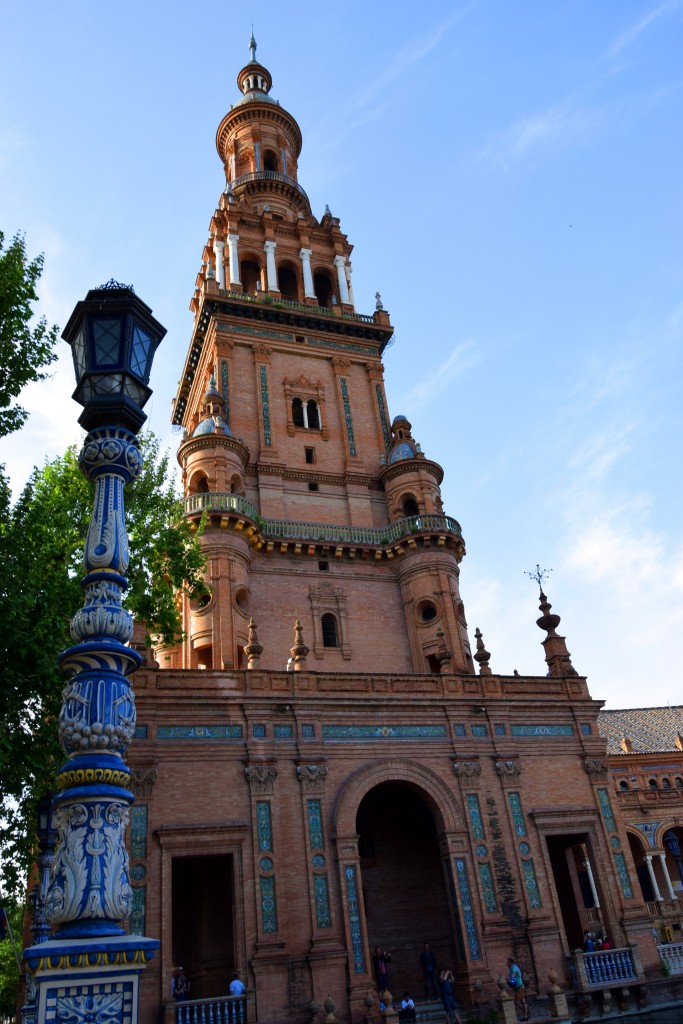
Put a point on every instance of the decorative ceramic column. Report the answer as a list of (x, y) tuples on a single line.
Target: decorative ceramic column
[(234, 260), (88, 970), (667, 878), (349, 271), (591, 881), (309, 290), (271, 269), (653, 880), (340, 264), (219, 248)]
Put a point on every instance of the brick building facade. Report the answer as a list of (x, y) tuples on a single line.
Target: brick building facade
[(325, 764)]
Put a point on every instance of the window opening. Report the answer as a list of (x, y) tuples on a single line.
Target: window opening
[(310, 455), (288, 284), (313, 414), (329, 628), (313, 485), (623, 784), (251, 277), (324, 566), (269, 161), (410, 507), (652, 783), (298, 413), (323, 289)]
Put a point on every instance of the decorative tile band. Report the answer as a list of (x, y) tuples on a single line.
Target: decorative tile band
[(315, 824), (225, 390), (354, 918), (541, 730), (383, 415), (459, 729), (268, 905), (456, 911), (622, 871), (322, 901), (347, 416), (475, 816), (486, 879), (199, 732), (530, 883), (137, 914), (63, 1001), (264, 831), (256, 332), (282, 732), (140, 732), (138, 832), (344, 346), (517, 814), (308, 732), (606, 808), (479, 730), (265, 404), (383, 732), (466, 907)]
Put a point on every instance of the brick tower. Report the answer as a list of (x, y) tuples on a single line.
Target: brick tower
[(318, 506)]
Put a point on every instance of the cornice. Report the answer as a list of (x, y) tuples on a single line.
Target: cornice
[(411, 465)]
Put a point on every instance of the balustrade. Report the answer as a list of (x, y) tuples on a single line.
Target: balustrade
[(219, 1010), (285, 529), (603, 969), (671, 954)]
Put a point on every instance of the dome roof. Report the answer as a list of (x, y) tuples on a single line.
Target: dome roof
[(403, 450), (212, 425)]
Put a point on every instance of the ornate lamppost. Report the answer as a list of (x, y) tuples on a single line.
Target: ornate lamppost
[(88, 970)]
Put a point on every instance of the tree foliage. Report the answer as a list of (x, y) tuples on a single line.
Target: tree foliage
[(24, 349), (41, 548)]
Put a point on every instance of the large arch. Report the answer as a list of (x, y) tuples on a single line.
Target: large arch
[(443, 802)]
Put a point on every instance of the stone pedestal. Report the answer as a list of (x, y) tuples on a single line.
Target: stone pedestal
[(74, 981)]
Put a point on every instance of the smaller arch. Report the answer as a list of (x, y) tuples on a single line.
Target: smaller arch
[(623, 784), (298, 412), (270, 161), (251, 276), (678, 782), (328, 623), (199, 484), (323, 287), (409, 505), (313, 414), (653, 784), (666, 783), (288, 283)]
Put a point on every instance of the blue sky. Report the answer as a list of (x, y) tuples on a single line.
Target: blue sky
[(510, 177)]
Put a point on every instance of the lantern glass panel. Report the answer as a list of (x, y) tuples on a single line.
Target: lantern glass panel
[(78, 350), (108, 384), (107, 338), (135, 391), (140, 354)]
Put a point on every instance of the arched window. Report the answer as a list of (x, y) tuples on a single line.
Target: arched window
[(288, 284), (666, 783), (678, 782), (199, 484), (322, 286), (653, 784), (269, 160), (623, 784), (410, 506), (329, 628), (250, 273), (313, 414), (298, 412)]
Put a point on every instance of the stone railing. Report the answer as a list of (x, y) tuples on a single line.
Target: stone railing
[(286, 529), (665, 908), (274, 176), (276, 301), (671, 955), (219, 1010), (605, 969)]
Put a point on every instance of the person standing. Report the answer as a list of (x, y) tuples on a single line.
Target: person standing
[(380, 963), (516, 983), (446, 982), (428, 965), (236, 986)]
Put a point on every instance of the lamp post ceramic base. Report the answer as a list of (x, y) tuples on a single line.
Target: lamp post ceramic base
[(86, 981)]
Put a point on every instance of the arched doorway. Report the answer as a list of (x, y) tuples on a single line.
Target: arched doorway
[(405, 897)]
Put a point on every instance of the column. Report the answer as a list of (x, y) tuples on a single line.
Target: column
[(234, 260), (271, 269), (591, 881), (340, 264), (667, 879), (653, 880), (349, 271), (219, 248), (305, 255)]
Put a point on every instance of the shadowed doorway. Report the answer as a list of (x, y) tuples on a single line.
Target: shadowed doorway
[(203, 925), (405, 896)]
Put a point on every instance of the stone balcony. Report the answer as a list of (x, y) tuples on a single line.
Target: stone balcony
[(393, 540)]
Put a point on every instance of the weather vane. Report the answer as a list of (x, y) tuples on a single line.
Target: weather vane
[(539, 575)]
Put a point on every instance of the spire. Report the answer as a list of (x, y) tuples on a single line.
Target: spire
[(482, 657), (252, 47), (253, 649), (299, 651), (557, 656)]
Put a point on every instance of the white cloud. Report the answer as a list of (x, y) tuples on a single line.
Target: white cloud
[(558, 127), (631, 35), (461, 359)]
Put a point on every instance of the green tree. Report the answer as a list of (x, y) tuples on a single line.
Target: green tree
[(24, 348), (41, 548), (9, 969)]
